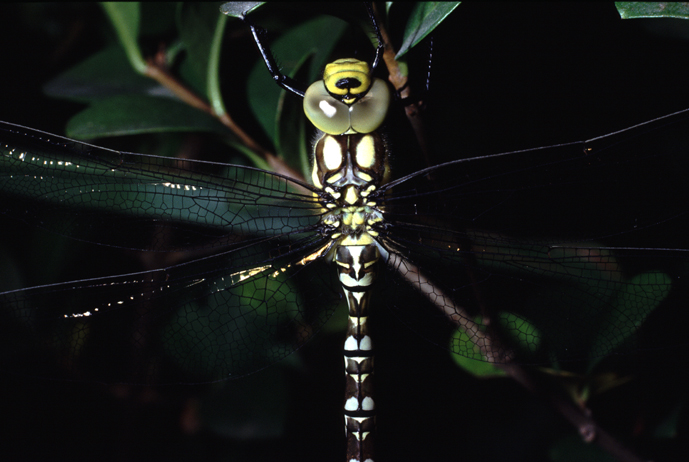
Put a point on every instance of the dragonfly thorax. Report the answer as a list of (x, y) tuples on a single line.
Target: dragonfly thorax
[(359, 160), (354, 225), (349, 169)]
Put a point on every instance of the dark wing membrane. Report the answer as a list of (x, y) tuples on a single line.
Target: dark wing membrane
[(250, 300), (565, 250), (214, 318), (123, 199)]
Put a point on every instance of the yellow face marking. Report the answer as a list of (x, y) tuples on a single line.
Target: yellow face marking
[(347, 69), (366, 152)]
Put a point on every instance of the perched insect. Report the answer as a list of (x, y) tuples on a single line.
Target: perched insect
[(510, 248)]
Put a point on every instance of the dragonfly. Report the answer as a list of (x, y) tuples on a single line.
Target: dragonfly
[(426, 214)]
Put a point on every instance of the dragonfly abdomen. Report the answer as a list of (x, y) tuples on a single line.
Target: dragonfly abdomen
[(357, 270)]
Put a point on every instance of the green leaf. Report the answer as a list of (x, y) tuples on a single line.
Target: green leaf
[(135, 114), (213, 73), (481, 369), (197, 24), (525, 334), (102, 75), (424, 18), (157, 19), (281, 114), (635, 10), (125, 18), (601, 316), (239, 9), (201, 326), (635, 301)]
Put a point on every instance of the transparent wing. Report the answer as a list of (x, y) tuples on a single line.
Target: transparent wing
[(548, 254), (556, 253), (247, 300), (120, 199)]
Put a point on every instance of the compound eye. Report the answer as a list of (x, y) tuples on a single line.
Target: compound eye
[(335, 118), (325, 112), (369, 112)]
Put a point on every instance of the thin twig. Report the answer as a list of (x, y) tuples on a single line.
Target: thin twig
[(401, 84), (492, 351), (160, 74)]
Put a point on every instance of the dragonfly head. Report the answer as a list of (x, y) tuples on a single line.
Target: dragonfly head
[(348, 100)]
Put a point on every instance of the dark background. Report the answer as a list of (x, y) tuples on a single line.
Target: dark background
[(505, 77)]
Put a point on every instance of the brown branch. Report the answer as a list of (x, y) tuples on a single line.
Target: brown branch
[(579, 416), (413, 109), (160, 74), (490, 350), (493, 351)]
